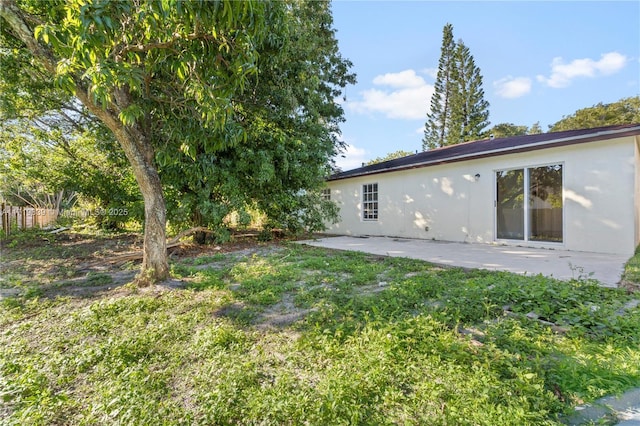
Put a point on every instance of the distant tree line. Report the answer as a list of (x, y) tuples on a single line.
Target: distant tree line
[(624, 111)]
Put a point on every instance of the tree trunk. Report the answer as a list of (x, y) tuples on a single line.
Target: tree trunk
[(199, 237), (140, 153), (155, 267), (132, 139)]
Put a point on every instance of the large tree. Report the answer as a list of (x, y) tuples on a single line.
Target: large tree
[(290, 119), (298, 131), (458, 112), (158, 75)]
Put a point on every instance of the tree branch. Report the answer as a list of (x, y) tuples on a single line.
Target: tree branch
[(143, 48), (11, 13)]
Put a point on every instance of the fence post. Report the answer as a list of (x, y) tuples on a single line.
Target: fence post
[(3, 218), (25, 217)]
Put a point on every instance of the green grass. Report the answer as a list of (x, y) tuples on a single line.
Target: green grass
[(372, 340), (632, 270)]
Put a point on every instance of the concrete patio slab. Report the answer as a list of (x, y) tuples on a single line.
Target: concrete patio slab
[(559, 264)]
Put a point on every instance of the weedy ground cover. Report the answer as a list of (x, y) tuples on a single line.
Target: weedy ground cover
[(631, 275), (288, 334)]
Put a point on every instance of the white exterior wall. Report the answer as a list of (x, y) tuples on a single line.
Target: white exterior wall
[(637, 190), (446, 202)]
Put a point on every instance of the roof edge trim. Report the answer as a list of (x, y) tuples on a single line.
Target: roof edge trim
[(590, 137)]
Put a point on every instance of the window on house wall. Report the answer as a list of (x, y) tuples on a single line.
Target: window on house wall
[(326, 194), (529, 204), (370, 201)]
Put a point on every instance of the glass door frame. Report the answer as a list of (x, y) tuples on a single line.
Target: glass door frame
[(526, 207)]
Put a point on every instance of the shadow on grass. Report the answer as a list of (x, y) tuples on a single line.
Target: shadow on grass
[(89, 286)]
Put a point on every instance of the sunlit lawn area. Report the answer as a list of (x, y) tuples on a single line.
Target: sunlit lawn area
[(287, 334)]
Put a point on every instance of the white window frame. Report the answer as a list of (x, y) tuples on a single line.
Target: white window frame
[(370, 203)]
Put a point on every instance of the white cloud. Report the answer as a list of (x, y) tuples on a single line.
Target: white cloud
[(562, 74), (611, 63), (402, 79), (431, 72), (352, 158), (407, 98), (512, 87)]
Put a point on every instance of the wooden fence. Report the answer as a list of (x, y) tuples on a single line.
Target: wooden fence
[(12, 217)]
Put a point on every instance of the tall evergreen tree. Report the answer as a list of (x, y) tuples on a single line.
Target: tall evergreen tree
[(459, 111), (469, 104), (438, 118)]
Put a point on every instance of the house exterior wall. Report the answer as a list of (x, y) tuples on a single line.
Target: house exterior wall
[(447, 202), (637, 190)]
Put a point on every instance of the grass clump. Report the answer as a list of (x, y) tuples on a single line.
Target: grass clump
[(304, 335)]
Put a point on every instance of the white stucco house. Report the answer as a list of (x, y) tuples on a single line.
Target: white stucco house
[(572, 190)]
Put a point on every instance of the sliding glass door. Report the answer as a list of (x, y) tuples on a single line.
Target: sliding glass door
[(545, 203), (529, 204), (510, 204)]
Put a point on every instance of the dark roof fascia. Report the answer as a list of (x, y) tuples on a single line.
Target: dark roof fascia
[(554, 143)]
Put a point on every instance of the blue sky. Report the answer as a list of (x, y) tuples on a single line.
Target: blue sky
[(540, 61)]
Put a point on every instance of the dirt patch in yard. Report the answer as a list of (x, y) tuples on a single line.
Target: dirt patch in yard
[(72, 264), (282, 314)]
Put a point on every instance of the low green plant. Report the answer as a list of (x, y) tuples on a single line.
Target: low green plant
[(204, 260), (207, 279), (30, 237), (631, 275), (98, 278)]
